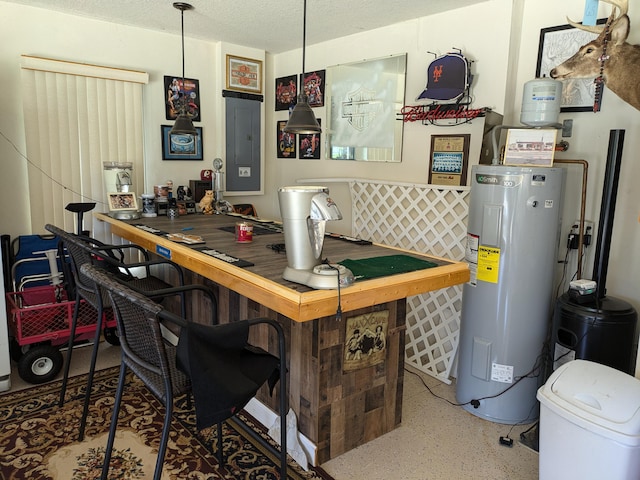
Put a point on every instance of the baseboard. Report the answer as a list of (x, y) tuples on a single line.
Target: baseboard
[(267, 417), (5, 383)]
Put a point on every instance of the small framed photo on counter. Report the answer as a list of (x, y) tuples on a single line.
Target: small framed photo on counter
[(119, 201)]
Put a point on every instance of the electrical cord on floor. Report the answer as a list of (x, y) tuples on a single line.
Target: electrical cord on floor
[(506, 440), (475, 402), (432, 392)]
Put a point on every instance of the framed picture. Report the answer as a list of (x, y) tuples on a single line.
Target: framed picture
[(175, 91), (309, 145), (313, 85), (244, 74), (286, 141), (449, 159), (362, 110), (181, 147), (286, 92), (365, 340), (557, 44), (530, 147), (122, 201)]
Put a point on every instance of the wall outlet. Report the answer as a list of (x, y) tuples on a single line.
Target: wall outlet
[(244, 171), (572, 241), (588, 227)]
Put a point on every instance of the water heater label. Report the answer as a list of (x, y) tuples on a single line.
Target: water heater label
[(508, 181), (538, 180), (501, 373), (488, 264), (471, 253)]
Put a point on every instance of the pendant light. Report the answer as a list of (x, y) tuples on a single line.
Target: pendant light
[(183, 124), (302, 120)]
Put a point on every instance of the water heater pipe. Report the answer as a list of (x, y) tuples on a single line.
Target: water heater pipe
[(583, 201)]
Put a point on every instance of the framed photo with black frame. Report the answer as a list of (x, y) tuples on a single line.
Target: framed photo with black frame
[(312, 84), (181, 146), (286, 92), (175, 89), (449, 159), (557, 44), (309, 145), (285, 141)]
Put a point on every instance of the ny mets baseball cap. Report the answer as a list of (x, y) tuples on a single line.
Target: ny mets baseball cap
[(447, 78)]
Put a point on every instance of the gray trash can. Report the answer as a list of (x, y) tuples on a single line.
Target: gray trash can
[(589, 423)]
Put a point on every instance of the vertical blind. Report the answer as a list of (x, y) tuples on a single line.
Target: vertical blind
[(78, 116)]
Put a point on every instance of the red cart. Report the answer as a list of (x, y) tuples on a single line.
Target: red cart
[(40, 323)]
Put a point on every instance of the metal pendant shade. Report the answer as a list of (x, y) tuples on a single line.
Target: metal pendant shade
[(302, 120), (183, 124)]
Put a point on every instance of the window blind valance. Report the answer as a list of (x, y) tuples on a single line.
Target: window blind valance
[(30, 62)]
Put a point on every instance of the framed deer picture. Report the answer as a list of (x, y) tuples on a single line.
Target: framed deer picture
[(557, 44)]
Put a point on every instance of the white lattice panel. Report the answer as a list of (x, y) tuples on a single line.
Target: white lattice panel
[(428, 220)]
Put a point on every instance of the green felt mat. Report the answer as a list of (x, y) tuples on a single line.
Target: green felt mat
[(375, 267)]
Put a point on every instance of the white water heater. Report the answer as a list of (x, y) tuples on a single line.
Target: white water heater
[(512, 241)]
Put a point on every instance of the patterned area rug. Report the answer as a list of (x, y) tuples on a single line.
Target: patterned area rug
[(38, 439)]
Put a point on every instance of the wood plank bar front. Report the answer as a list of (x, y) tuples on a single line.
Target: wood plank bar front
[(338, 408)]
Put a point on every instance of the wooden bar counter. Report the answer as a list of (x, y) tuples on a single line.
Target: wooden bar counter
[(342, 396)]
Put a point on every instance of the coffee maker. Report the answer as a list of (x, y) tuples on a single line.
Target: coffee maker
[(305, 211)]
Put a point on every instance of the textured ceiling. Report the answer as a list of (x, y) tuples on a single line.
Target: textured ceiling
[(271, 25)]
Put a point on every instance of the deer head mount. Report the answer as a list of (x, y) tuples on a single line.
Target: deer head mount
[(608, 58)]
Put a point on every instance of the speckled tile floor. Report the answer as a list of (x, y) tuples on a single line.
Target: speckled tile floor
[(436, 440)]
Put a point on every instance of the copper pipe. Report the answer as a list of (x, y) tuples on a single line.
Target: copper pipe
[(583, 201)]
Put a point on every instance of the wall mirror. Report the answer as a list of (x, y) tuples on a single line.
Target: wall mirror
[(363, 104)]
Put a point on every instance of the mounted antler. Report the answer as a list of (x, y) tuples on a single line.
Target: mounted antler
[(608, 58)]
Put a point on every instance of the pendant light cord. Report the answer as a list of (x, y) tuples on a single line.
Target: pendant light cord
[(304, 39), (183, 106)]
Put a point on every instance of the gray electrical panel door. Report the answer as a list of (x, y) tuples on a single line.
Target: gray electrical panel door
[(242, 145)]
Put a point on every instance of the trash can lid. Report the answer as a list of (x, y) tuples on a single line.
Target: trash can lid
[(590, 393)]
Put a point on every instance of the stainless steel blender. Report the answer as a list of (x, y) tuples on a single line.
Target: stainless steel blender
[(305, 211)]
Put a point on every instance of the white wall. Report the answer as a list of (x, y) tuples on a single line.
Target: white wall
[(482, 32)]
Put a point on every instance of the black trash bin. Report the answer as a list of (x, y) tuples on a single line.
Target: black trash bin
[(602, 332)]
